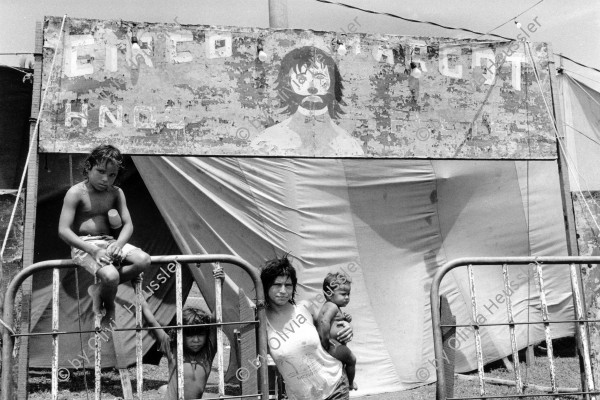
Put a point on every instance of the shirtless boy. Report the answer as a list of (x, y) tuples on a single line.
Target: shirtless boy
[(336, 288), (84, 225)]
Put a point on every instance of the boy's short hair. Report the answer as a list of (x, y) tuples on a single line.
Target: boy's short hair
[(275, 268), (334, 280), (100, 155)]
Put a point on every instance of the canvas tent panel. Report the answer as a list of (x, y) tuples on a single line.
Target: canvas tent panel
[(393, 223), (581, 107)]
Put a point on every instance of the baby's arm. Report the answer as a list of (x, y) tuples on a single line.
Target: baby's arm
[(326, 317), (65, 230), (115, 248)]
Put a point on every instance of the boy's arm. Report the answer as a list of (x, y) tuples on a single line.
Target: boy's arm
[(127, 229), (219, 274), (160, 334), (326, 315), (65, 230)]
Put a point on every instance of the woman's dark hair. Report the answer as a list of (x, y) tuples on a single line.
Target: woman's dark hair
[(100, 155), (192, 316), (275, 268)]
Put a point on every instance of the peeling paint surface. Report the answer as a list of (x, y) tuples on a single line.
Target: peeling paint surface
[(204, 90), (588, 237)]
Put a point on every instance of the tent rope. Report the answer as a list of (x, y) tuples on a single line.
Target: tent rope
[(568, 160), (585, 91), (33, 142)]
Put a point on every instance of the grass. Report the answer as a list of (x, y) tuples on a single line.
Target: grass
[(566, 362)]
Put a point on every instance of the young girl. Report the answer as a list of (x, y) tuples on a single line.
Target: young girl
[(199, 348)]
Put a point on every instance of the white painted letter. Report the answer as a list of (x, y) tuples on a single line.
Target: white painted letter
[(444, 66), (489, 64), (71, 67), (176, 37), (82, 116), (516, 61), (143, 117), (104, 112)]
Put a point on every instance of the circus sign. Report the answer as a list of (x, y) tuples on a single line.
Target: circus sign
[(153, 88)]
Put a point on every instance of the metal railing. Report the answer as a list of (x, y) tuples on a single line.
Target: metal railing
[(580, 321), (8, 337)]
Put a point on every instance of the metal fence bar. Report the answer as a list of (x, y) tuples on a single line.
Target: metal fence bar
[(550, 350), (511, 329), (8, 337), (478, 349), (219, 319), (139, 353), (97, 354), (179, 305), (481, 261), (587, 363), (55, 286)]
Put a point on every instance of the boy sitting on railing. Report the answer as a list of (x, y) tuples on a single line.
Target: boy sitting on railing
[(84, 225)]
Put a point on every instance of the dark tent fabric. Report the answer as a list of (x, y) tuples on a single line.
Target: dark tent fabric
[(389, 224), (15, 109), (150, 233)]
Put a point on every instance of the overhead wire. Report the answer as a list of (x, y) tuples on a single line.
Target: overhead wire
[(577, 62), (451, 27), (512, 19), (410, 19)]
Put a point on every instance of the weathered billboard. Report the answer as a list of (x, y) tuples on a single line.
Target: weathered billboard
[(153, 88)]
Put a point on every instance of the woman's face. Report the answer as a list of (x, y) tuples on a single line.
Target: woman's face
[(280, 292)]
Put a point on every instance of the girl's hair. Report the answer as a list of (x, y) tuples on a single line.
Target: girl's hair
[(100, 155), (192, 316), (275, 268)]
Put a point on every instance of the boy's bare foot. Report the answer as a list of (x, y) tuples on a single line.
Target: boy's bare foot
[(353, 386), (94, 292)]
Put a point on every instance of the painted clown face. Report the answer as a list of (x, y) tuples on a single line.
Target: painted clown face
[(311, 85)]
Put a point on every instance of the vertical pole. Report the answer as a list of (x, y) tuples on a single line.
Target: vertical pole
[(138, 340), (567, 199), (545, 319), (478, 349), (30, 214), (278, 15), (511, 329), (219, 318), (97, 354), (579, 315), (55, 286), (179, 305)]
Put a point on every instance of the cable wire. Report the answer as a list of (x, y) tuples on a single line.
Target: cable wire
[(411, 20), (573, 61), (512, 19)]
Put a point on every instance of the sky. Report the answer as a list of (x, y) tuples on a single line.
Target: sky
[(571, 27)]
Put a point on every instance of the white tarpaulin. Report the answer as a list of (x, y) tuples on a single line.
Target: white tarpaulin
[(389, 224), (581, 108)]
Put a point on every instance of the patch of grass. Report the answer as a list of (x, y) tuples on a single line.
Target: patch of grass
[(566, 364)]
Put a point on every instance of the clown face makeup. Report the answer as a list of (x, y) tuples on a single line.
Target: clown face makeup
[(311, 85)]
